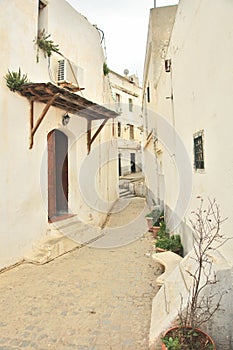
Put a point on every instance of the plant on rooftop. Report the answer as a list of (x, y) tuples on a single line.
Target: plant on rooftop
[(45, 44), (106, 70), (14, 80), (200, 306)]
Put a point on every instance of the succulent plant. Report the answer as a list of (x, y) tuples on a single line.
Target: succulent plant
[(14, 80)]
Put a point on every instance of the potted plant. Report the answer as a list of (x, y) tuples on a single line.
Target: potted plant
[(200, 307), (165, 242), (172, 243), (149, 219), (185, 338), (157, 225), (153, 220)]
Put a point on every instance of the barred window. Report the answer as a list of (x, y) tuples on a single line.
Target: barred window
[(198, 151)]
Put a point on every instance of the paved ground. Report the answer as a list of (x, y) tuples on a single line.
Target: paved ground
[(88, 299)]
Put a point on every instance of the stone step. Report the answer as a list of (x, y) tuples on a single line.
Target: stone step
[(62, 237)]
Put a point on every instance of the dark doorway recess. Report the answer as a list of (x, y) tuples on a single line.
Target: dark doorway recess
[(119, 164), (57, 175), (132, 163)]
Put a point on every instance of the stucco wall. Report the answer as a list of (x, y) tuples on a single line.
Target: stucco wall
[(196, 96), (201, 89), (23, 182), (159, 30)]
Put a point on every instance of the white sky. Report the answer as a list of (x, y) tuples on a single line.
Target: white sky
[(125, 24)]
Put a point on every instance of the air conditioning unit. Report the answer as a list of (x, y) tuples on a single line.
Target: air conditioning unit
[(69, 73)]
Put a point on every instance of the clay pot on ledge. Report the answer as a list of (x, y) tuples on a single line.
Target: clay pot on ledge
[(155, 230), (149, 220), (176, 338)]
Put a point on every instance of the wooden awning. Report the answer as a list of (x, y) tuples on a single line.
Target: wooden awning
[(69, 102), (66, 100)]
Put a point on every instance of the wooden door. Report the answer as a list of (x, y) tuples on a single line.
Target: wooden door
[(57, 174)]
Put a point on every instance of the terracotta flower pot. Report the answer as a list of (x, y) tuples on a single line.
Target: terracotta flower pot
[(149, 223), (160, 250), (202, 343), (155, 230)]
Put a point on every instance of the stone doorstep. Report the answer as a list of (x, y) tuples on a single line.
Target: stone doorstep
[(61, 237), (170, 261)]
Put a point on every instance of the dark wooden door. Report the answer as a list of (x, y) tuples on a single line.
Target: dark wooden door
[(57, 174)]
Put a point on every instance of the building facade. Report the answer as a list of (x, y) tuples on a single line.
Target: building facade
[(127, 95), (187, 112), (58, 134)]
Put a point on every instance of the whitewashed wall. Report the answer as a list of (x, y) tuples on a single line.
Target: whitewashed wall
[(159, 30), (201, 83), (23, 182)]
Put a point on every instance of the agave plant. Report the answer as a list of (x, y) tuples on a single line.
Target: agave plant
[(45, 44), (14, 80)]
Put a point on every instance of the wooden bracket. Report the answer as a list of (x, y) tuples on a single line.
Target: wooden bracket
[(33, 128), (148, 139), (90, 139)]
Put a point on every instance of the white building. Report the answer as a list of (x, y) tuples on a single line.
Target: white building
[(127, 94), (51, 170), (188, 128)]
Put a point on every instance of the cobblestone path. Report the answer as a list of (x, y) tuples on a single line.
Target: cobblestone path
[(95, 299)]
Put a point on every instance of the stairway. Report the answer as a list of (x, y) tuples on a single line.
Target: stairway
[(61, 237), (132, 186), (125, 193)]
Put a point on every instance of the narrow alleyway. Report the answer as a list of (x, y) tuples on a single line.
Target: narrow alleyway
[(91, 298)]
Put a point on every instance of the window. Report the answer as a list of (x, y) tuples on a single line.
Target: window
[(198, 151), (148, 94), (131, 132), (42, 15), (119, 129), (130, 105), (118, 103)]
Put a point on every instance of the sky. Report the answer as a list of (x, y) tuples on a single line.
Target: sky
[(125, 24)]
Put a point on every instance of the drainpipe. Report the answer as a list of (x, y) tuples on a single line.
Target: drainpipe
[(154, 3)]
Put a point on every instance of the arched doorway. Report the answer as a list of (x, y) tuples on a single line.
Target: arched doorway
[(57, 143)]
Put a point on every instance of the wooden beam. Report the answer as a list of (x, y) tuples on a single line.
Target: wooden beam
[(124, 90), (31, 123), (88, 136), (43, 113), (148, 139), (97, 133)]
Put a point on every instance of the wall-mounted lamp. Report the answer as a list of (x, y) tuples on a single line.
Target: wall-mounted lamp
[(65, 119), (168, 64)]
